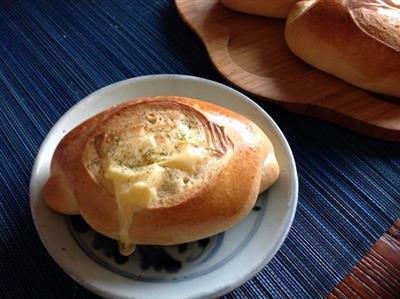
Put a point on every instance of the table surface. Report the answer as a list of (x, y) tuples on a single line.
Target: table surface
[(53, 53)]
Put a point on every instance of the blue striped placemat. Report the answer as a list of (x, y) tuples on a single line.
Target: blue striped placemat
[(53, 53)]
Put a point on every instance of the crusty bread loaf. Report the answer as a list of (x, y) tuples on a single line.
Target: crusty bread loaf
[(267, 8), (162, 170), (357, 41)]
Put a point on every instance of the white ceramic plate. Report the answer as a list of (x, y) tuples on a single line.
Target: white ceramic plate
[(208, 268)]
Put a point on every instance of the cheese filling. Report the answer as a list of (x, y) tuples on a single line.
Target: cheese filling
[(148, 159), (150, 164), (135, 189), (131, 196)]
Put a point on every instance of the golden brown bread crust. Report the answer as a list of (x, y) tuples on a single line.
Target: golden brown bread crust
[(226, 197), (267, 8), (222, 203), (357, 41)]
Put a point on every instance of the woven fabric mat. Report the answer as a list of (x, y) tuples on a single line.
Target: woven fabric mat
[(53, 53)]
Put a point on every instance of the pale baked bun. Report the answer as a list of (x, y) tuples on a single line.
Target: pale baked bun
[(357, 41), (267, 8), (161, 170)]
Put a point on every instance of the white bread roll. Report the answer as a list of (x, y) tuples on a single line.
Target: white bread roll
[(267, 8), (162, 170), (357, 41)]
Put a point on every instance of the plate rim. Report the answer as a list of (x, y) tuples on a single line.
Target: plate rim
[(221, 290)]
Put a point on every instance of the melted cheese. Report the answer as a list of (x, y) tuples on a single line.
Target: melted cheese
[(188, 160), (135, 188), (184, 129), (123, 177), (130, 201), (132, 194)]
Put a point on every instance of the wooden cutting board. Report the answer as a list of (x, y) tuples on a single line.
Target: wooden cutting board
[(251, 53)]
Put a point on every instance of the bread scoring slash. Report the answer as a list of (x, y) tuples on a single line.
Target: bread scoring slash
[(161, 171)]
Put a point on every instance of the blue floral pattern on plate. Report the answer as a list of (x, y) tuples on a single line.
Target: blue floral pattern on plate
[(163, 263)]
